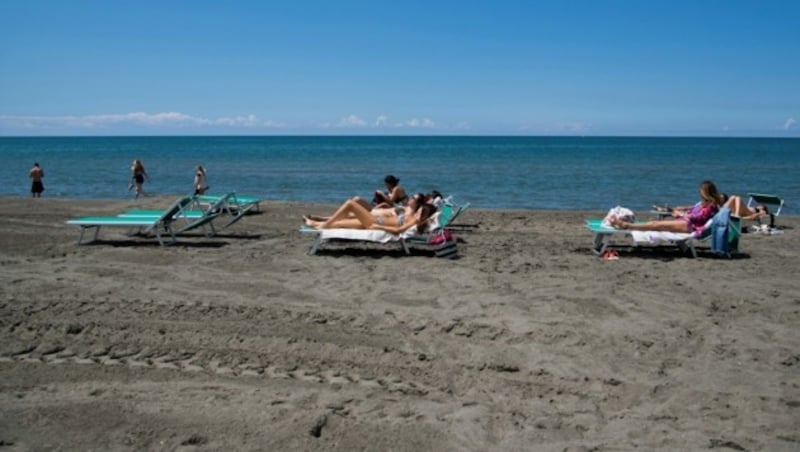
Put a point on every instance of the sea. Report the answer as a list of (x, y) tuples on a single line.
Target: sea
[(492, 172)]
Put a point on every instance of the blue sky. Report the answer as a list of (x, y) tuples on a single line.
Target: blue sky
[(665, 68)]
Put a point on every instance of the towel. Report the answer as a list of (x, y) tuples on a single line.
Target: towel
[(658, 237), (369, 235)]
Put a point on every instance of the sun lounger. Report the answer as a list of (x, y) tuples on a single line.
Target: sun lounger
[(603, 236), (190, 218), (760, 198), (322, 236), (156, 226), (236, 206)]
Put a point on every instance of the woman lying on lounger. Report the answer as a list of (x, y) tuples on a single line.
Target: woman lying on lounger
[(417, 200), (693, 221), (353, 215), (740, 209)]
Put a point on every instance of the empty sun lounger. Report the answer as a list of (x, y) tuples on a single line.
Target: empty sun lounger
[(235, 206), (189, 217), (157, 226)]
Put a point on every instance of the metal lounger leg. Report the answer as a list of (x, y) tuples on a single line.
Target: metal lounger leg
[(600, 243), (315, 245)]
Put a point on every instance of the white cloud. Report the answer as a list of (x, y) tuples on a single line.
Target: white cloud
[(351, 121), (419, 123), (381, 121), (134, 119), (566, 128), (790, 124)]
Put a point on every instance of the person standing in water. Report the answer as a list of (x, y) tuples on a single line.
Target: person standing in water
[(200, 185), (36, 174), (138, 176)]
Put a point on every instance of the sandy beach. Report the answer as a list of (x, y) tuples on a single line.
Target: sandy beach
[(527, 342)]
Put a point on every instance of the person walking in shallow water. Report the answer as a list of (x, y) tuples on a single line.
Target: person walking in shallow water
[(200, 185), (138, 176), (36, 174)]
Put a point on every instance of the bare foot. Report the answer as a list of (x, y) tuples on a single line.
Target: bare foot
[(617, 223)]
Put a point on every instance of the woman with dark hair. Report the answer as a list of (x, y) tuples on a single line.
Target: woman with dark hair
[(394, 194), (692, 221)]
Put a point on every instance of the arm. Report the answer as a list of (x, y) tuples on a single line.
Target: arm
[(397, 194)]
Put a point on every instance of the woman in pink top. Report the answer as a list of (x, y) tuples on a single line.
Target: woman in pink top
[(692, 221)]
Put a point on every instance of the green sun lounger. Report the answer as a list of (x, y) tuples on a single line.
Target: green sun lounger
[(761, 198), (190, 218), (236, 206), (157, 226)]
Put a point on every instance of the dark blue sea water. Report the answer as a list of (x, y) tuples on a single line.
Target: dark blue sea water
[(489, 172)]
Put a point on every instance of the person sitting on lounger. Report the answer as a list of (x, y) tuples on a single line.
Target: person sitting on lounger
[(353, 215), (394, 194), (692, 221)]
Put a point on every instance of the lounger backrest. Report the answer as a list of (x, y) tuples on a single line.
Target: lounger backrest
[(173, 210), (445, 213), (766, 199)]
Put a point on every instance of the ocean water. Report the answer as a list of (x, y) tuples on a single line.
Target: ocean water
[(565, 173)]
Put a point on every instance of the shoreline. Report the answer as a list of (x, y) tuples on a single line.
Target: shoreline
[(243, 341)]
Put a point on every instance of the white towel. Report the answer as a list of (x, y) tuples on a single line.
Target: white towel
[(368, 235), (658, 237)]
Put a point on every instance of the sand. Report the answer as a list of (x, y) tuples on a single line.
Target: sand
[(527, 342)]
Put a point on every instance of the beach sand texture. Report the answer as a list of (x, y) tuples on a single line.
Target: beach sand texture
[(528, 342)]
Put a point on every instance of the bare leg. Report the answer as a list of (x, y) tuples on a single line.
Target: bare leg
[(738, 208), (665, 225), (364, 203), (354, 208)]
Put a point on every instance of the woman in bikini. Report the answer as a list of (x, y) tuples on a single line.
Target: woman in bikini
[(200, 185), (138, 176), (692, 221), (394, 194), (353, 215)]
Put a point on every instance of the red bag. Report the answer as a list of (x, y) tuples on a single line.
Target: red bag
[(444, 244)]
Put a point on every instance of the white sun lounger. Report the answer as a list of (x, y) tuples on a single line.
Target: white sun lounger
[(322, 236)]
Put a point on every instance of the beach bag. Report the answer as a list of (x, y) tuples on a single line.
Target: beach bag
[(444, 244), (620, 213)]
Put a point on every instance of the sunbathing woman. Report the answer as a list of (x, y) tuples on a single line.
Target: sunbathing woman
[(692, 221), (352, 215), (740, 209), (414, 202)]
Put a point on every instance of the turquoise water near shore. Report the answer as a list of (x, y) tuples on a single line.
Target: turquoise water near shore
[(566, 173)]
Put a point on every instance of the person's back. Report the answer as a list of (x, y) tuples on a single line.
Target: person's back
[(36, 174)]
